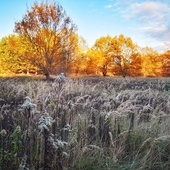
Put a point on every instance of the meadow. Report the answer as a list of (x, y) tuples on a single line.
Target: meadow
[(88, 123)]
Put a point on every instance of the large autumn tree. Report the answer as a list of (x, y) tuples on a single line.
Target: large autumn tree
[(47, 34), (101, 54)]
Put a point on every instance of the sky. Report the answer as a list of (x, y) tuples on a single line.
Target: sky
[(147, 22)]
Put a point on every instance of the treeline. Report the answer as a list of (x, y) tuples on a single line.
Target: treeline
[(45, 42), (120, 56)]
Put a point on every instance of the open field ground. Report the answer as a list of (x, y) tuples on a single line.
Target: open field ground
[(88, 123)]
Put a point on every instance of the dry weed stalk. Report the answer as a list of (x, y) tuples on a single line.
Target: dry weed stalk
[(115, 123)]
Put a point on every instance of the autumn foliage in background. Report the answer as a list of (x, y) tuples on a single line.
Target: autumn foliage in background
[(46, 43)]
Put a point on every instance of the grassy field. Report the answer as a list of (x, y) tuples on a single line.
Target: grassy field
[(87, 123)]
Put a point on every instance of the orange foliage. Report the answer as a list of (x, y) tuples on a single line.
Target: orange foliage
[(47, 41), (151, 63), (165, 58), (47, 33)]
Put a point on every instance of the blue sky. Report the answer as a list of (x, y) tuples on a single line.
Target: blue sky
[(147, 22)]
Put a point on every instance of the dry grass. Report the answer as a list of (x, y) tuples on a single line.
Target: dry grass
[(85, 124)]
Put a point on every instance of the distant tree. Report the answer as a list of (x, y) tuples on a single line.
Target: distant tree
[(91, 59), (135, 66), (100, 54), (151, 62), (112, 53), (4, 55), (165, 58), (79, 62), (47, 34), (10, 52), (13, 56), (122, 50)]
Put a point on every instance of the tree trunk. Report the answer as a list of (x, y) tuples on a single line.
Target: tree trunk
[(104, 70), (47, 75), (104, 73)]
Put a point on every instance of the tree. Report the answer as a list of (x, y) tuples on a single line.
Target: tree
[(47, 34), (4, 54), (100, 54), (9, 54), (80, 60), (165, 58), (135, 66), (13, 56), (151, 62), (122, 50)]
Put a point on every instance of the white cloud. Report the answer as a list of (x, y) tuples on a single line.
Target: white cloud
[(156, 11), (152, 18), (108, 6), (147, 18), (161, 32)]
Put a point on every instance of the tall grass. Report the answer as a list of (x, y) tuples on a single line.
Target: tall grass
[(85, 124)]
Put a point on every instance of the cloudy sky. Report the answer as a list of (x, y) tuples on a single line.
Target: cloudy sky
[(147, 22)]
